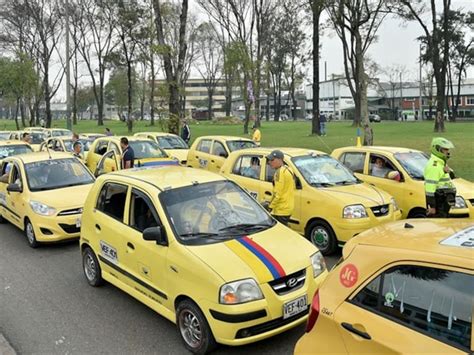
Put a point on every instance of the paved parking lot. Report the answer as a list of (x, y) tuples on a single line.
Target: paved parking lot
[(47, 307)]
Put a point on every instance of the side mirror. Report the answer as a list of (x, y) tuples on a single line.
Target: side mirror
[(14, 188), (394, 175), (156, 234)]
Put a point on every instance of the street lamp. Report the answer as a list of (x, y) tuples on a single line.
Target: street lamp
[(68, 69)]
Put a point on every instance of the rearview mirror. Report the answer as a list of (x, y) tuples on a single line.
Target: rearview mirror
[(156, 234), (14, 188), (394, 175)]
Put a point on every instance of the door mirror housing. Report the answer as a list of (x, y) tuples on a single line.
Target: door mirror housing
[(394, 175), (14, 188), (157, 234)]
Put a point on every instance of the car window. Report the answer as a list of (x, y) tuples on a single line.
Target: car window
[(248, 166), (172, 142), (219, 150), (145, 149), (380, 166), (111, 200), (142, 212), (114, 147), (242, 144), (204, 146), (15, 176), (354, 161), (101, 147), (433, 301), (9, 150)]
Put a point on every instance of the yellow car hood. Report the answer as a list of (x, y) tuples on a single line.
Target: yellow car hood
[(63, 199), (155, 162), (464, 188), (180, 154), (264, 256), (363, 193)]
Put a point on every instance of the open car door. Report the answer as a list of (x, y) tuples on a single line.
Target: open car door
[(109, 162)]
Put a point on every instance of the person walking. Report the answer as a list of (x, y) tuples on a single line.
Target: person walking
[(322, 124), (283, 202), (439, 189), (108, 132), (257, 135), (186, 132), (128, 155)]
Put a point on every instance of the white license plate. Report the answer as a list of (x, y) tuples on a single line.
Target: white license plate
[(78, 223), (294, 307)]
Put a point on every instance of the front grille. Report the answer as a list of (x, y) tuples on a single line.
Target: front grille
[(70, 212), (381, 210), (269, 326), (70, 228), (289, 283)]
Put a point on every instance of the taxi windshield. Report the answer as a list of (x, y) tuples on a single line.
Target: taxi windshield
[(213, 212), (9, 150), (238, 145), (36, 137), (323, 171), (4, 136), (147, 149), (172, 142), (56, 174), (414, 163), (86, 143), (62, 132)]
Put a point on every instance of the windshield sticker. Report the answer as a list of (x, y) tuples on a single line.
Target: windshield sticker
[(348, 275), (464, 238)]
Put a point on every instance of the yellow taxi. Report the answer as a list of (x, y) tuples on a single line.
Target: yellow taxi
[(65, 144), (33, 191), (5, 135), (201, 252), (401, 288), (399, 171), (172, 144), (331, 204), (15, 135), (210, 152), (9, 148), (92, 136), (105, 154), (36, 138), (56, 132)]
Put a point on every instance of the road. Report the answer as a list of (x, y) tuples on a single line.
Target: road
[(46, 307)]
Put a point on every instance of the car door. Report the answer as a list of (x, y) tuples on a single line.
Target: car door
[(410, 308), (247, 172), (110, 228), (109, 162), (201, 155), (145, 260), (217, 157), (96, 152), (4, 180), (15, 201)]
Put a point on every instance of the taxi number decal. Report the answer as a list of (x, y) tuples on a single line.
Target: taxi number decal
[(348, 275), (202, 163), (3, 198), (108, 252)]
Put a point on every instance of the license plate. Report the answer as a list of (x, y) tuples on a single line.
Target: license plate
[(78, 223), (294, 307)]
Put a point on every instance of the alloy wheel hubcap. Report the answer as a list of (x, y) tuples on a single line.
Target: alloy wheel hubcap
[(89, 267), (320, 237), (190, 328), (30, 234)]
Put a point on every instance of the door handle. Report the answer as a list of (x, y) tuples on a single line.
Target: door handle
[(268, 193), (360, 333), (131, 246), (197, 157), (97, 227), (212, 161)]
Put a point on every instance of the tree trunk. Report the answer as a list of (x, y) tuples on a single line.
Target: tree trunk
[(22, 113), (47, 95), (315, 124), (210, 96), (74, 104), (16, 114), (100, 100), (152, 92), (440, 99), (228, 96)]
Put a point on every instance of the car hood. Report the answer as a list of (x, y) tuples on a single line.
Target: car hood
[(154, 162), (180, 154), (363, 193), (464, 188), (264, 256), (63, 199)]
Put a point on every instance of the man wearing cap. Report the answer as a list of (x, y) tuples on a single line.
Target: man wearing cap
[(283, 201)]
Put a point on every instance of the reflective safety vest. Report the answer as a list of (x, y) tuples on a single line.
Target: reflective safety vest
[(436, 179)]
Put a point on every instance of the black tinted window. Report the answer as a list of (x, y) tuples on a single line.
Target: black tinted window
[(432, 301), (142, 212), (101, 147), (112, 200)]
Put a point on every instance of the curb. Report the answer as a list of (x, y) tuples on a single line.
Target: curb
[(5, 347)]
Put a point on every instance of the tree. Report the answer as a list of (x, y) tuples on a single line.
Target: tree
[(173, 73), (394, 74), (117, 93), (356, 23)]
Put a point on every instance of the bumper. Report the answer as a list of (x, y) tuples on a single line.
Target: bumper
[(345, 229), (467, 212), (56, 228), (254, 321)]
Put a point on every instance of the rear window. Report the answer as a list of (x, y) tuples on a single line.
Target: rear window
[(238, 145), (9, 150)]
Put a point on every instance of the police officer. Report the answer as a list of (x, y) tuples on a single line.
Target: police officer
[(283, 201), (439, 189)]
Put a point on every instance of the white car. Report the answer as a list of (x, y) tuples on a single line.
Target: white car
[(374, 118)]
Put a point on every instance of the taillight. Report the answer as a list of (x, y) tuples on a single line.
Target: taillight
[(313, 315)]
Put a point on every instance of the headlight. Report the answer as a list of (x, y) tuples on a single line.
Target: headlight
[(240, 292), (42, 209), (318, 263), (354, 211), (394, 203), (460, 203)]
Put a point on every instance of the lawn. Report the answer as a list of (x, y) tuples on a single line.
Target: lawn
[(415, 135)]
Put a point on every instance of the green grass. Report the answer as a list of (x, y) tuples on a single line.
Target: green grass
[(416, 135)]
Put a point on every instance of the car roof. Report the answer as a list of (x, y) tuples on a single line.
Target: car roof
[(226, 138), (13, 142), (168, 177), (92, 134), (291, 152), (423, 235), (60, 137), (374, 149), (117, 138), (161, 134), (40, 156)]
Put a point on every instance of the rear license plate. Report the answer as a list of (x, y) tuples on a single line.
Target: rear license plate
[(294, 307)]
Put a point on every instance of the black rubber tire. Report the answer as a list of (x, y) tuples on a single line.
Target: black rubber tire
[(2, 220), (207, 343), (30, 238), (89, 260), (327, 246), (417, 213)]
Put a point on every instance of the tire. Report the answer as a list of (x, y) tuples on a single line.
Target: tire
[(417, 213), (2, 220), (322, 236), (91, 268), (194, 329), (30, 234)]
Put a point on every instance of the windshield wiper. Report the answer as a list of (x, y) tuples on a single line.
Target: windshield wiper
[(246, 226), (322, 184), (347, 182)]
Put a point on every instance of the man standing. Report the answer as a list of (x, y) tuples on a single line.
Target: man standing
[(322, 124), (283, 201), (439, 189), (26, 137), (128, 155), (257, 135), (108, 132), (186, 132)]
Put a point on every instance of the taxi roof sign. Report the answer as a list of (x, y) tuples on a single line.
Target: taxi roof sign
[(464, 238)]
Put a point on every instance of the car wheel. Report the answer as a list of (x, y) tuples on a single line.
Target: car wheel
[(91, 268), (30, 234), (321, 234), (194, 329)]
